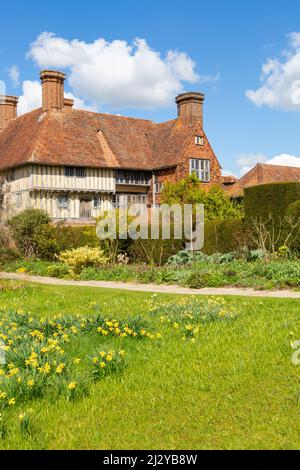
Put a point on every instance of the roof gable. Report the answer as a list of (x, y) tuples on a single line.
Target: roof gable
[(265, 174)]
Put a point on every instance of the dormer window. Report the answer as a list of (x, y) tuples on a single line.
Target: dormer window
[(199, 140)]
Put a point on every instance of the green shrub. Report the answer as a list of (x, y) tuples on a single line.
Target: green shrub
[(53, 239), (83, 257), (201, 279), (58, 270), (24, 227)]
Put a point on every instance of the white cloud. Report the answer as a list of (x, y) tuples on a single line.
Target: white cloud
[(117, 74), (280, 80), (14, 75), (285, 160), (228, 173), (32, 98), (247, 161)]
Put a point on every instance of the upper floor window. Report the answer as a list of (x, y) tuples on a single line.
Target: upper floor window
[(133, 177), (123, 200), (78, 172), (199, 140), (159, 186), (201, 168), (63, 201), (10, 176)]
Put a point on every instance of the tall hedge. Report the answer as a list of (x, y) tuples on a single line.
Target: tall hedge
[(223, 236), (267, 200)]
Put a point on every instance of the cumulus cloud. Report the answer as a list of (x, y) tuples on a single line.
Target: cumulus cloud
[(228, 173), (117, 74), (14, 75), (246, 162), (31, 98), (285, 160), (280, 79)]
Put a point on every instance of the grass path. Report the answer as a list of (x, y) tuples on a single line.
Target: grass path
[(152, 288)]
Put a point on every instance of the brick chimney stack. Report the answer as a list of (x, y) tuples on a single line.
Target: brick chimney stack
[(53, 90), (190, 107), (8, 110)]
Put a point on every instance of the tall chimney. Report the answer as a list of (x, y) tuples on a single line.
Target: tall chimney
[(53, 90), (190, 107), (8, 110)]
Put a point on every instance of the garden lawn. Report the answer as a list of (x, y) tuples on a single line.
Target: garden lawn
[(234, 388)]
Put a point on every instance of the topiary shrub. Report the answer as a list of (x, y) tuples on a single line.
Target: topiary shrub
[(24, 227)]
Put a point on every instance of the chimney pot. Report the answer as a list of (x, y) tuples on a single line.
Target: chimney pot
[(68, 103), (53, 90), (190, 107), (8, 110)]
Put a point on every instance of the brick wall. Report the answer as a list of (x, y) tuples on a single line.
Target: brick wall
[(183, 168)]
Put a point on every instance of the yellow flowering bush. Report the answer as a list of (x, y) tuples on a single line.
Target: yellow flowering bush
[(83, 257)]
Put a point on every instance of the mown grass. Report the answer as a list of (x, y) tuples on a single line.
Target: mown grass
[(234, 388)]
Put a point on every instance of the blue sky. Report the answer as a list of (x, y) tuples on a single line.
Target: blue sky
[(228, 40)]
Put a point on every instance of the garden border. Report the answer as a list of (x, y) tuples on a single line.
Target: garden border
[(154, 288)]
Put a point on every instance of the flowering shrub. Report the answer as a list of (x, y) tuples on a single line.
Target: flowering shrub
[(187, 315), (84, 257)]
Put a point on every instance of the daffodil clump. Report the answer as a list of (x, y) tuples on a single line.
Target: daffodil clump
[(40, 360), (107, 362), (188, 314)]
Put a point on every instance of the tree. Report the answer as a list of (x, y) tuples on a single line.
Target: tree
[(218, 205)]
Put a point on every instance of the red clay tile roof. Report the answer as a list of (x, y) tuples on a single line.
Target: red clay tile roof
[(230, 179), (264, 174), (82, 138)]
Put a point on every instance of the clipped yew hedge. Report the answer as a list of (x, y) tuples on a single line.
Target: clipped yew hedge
[(293, 210), (267, 200), (224, 236)]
